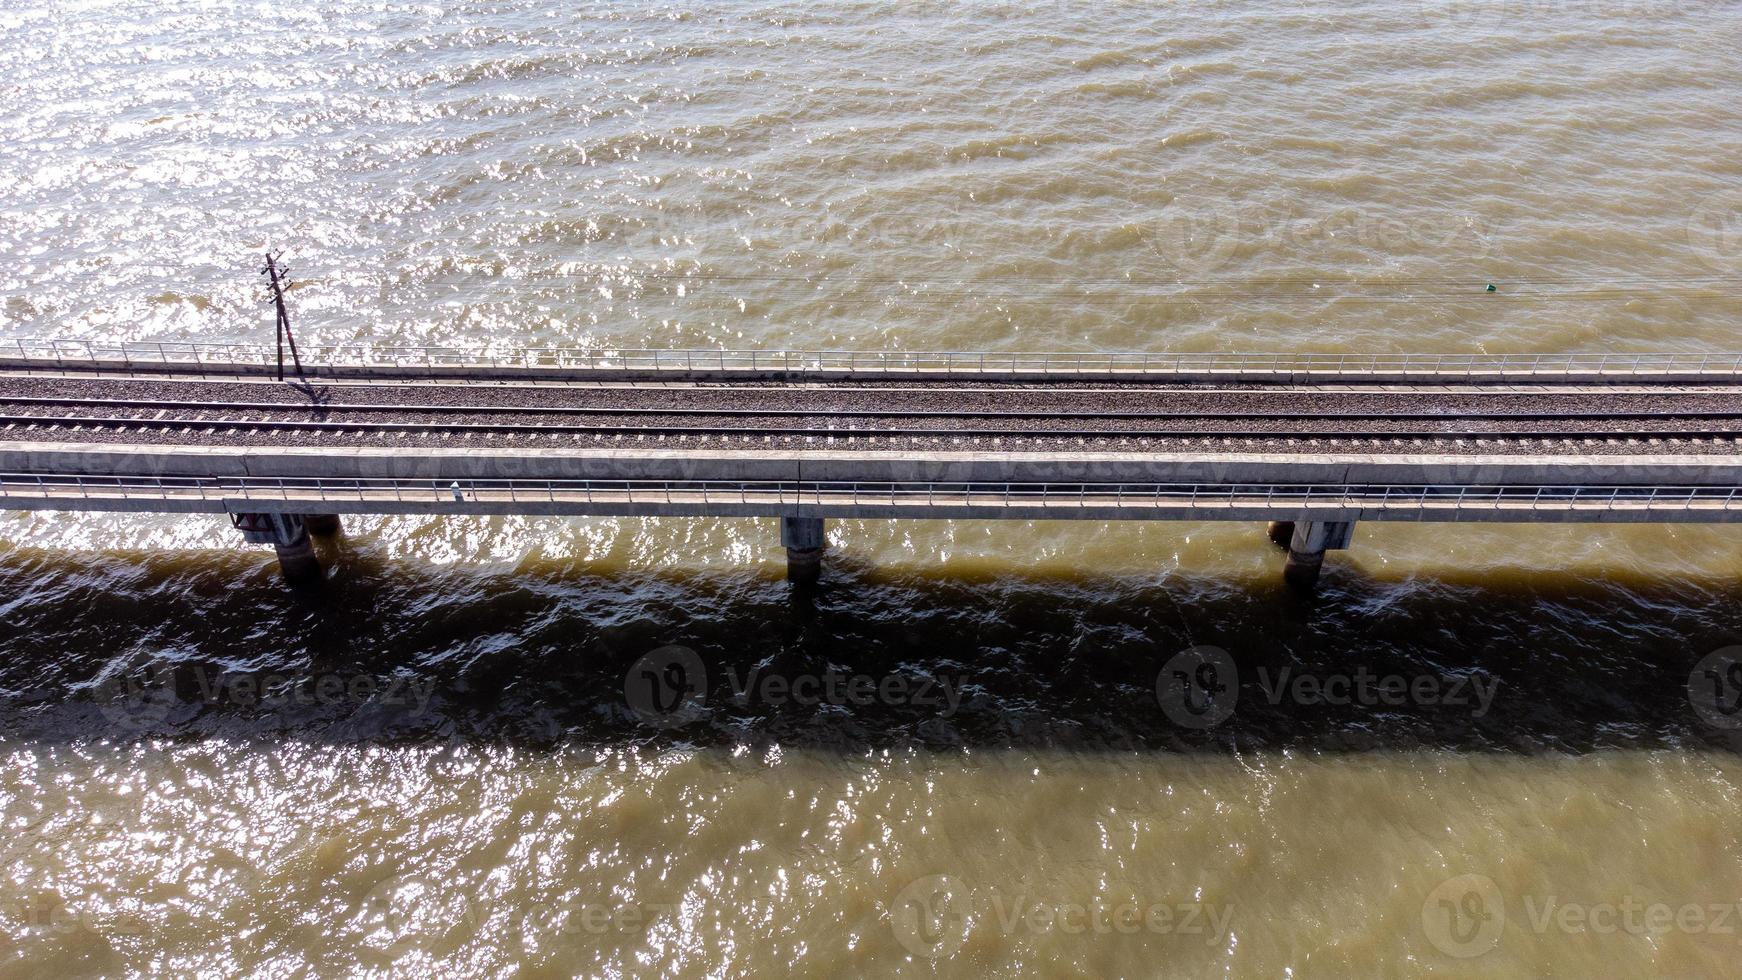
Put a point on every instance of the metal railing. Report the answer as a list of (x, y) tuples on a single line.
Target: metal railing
[(943, 363), (1062, 497)]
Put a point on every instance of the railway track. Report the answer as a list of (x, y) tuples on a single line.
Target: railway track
[(323, 409), (15, 424), (1687, 418)]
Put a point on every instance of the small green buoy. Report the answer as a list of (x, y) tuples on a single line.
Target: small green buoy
[(1492, 288)]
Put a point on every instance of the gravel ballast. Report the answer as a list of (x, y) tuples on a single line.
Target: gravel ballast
[(1055, 417)]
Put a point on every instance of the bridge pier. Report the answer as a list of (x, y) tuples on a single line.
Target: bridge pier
[(289, 537), (804, 542), (1281, 533), (298, 562), (324, 525), (1307, 547)]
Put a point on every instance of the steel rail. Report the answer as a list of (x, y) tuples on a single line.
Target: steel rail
[(52, 422), (1121, 414), (1451, 387)]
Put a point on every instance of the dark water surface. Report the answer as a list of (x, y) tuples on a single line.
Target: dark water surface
[(455, 768)]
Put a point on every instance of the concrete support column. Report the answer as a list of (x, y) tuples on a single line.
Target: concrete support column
[(324, 525), (298, 562), (1281, 533), (803, 539), (1307, 547), (288, 536)]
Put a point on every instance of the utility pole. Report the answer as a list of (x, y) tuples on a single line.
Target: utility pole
[(272, 272)]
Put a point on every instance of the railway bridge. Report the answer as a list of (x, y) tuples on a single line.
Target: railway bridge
[(1311, 443)]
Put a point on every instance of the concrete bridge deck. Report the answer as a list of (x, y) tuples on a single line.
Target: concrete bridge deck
[(1649, 441)]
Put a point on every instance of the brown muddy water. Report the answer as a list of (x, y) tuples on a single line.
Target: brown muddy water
[(624, 747)]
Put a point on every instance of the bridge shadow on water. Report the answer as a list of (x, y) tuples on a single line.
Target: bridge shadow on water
[(211, 645)]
